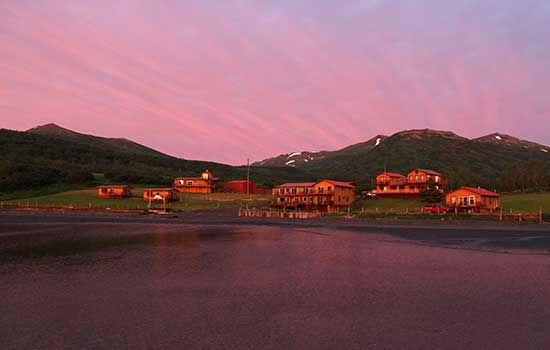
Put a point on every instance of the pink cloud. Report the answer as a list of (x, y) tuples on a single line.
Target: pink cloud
[(225, 81)]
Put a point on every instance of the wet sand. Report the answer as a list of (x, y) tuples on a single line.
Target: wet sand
[(131, 282)]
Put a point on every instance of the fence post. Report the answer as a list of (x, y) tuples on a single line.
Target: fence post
[(500, 215), (540, 216)]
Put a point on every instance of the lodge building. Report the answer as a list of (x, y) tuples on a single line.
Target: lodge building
[(324, 195), (206, 183), (394, 185)]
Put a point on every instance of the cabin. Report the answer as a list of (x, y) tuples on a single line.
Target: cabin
[(114, 191), (472, 199), (394, 185), (206, 183), (324, 195), (160, 195)]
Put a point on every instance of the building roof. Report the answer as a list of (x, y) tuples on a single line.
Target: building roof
[(391, 174), (239, 181), (159, 189), (427, 171), (481, 191), (189, 178), (339, 183), (114, 186), (297, 184)]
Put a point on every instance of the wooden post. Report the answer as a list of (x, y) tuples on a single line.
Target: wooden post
[(500, 215), (540, 216)]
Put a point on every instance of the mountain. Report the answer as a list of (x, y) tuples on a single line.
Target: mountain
[(120, 144), (464, 161), (297, 159), (292, 159), (52, 155)]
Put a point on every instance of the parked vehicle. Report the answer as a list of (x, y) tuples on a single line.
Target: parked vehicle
[(435, 208), (368, 195)]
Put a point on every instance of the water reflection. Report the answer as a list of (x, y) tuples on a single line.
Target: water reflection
[(215, 287)]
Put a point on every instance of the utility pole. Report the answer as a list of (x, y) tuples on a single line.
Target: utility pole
[(248, 176)]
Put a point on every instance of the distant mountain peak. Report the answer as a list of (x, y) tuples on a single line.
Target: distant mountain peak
[(51, 129), (504, 139), (418, 134)]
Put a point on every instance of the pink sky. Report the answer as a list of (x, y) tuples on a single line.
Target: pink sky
[(227, 80)]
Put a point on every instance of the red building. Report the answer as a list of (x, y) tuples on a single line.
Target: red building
[(240, 186)]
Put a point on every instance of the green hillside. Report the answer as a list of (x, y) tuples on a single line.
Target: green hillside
[(54, 157), (495, 161)]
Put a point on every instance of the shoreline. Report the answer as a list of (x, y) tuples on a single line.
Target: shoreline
[(223, 217)]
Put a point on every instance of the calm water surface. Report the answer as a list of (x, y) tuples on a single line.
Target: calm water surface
[(100, 286)]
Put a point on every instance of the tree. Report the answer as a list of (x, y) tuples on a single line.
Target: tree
[(431, 193)]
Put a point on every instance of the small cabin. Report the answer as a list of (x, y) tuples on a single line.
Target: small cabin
[(160, 194), (114, 191), (473, 199)]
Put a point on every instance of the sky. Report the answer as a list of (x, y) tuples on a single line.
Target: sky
[(236, 79)]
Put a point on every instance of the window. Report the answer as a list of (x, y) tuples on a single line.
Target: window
[(472, 200), (422, 177), (339, 198), (294, 191), (281, 190), (304, 199), (189, 183), (453, 200), (311, 199), (282, 199), (437, 178), (329, 188), (416, 177), (385, 188), (321, 189)]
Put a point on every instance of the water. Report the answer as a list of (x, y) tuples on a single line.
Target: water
[(135, 286)]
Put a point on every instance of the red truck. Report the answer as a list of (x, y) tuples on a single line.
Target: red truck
[(435, 209)]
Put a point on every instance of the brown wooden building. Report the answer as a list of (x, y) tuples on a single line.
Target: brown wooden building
[(473, 199), (160, 194), (394, 185), (324, 195), (114, 191), (206, 183)]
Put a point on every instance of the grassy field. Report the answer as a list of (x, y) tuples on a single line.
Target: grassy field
[(519, 203), (188, 201), (526, 202), (387, 205)]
